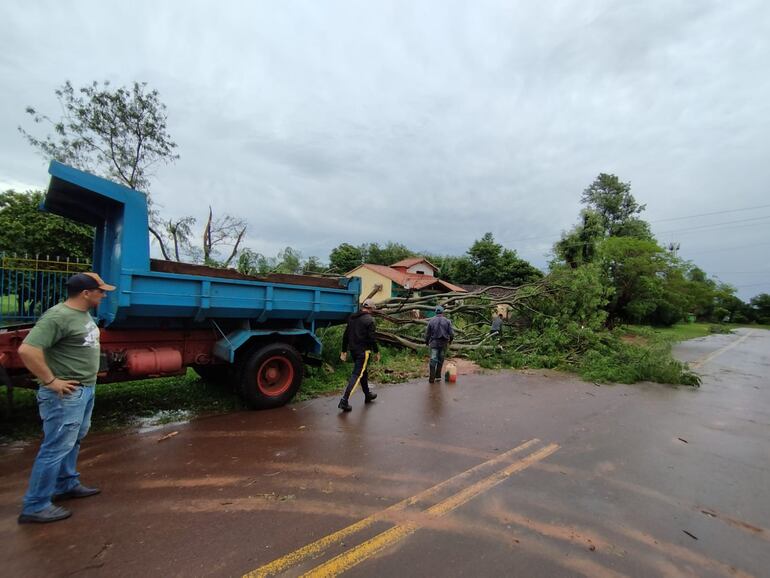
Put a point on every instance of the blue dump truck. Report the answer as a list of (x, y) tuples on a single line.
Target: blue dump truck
[(254, 332)]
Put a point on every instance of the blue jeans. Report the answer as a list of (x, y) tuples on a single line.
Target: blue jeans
[(66, 421), (436, 360)]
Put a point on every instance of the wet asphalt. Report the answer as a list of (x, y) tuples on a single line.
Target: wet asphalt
[(528, 473)]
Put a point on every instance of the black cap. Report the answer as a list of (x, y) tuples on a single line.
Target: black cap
[(88, 282)]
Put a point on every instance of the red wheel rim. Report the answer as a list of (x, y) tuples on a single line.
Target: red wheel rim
[(275, 376)]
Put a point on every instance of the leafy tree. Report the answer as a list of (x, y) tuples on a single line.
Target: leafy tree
[(675, 301), (582, 295), (345, 258), (610, 211), (121, 134), (761, 307), (391, 253), (313, 265), (180, 232), (24, 229), (117, 133), (634, 268), (289, 262), (489, 263), (579, 246), (253, 263), (447, 265), (515, 271), (736, 310), (616, 207)]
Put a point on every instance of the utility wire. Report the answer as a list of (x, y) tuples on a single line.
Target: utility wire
[(726, 225), (727, 249), (712, 225), (709, 214), (660, 221)]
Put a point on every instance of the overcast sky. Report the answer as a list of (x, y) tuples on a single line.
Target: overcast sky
[(428, 122)]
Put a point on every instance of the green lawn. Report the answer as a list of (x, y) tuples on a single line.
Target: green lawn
[(171, 399), (9, 305), (685, 331)]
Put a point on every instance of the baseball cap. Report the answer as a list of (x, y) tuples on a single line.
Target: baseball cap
[(368, 304), (88, 282), (439, 309)]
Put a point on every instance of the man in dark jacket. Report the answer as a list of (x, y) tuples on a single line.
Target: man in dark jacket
[(438, 335), (360, 340)]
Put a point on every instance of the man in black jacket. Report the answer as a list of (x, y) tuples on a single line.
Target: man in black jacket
[(359, 339)]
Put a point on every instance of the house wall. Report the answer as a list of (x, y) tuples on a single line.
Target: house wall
[(368, 280), (421, 268)]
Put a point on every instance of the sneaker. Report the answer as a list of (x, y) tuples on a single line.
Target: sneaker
[(370, 398), (79, 491), (344, 405), (50, 514)]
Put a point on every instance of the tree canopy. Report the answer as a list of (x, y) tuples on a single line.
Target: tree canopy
[(121, 134), (25, 230), (645, 282)]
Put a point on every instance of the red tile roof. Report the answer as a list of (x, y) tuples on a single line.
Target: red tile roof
[(408, 280), (413, 261)]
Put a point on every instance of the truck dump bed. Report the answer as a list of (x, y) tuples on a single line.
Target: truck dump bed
[(149, 291)]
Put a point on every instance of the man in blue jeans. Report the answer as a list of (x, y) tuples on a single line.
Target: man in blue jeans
[(438, 335), (62, 352)]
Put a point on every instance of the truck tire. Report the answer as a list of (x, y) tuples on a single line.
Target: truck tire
[(271, 376)]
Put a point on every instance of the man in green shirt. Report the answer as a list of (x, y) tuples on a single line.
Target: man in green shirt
[(62, 352)]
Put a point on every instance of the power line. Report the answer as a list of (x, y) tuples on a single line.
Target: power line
[(586, 243), (661, 221), (712, 225), (709, 214), (727, 249)]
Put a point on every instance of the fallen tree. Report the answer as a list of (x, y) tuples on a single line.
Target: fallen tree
[(471, 314), (555, 322)]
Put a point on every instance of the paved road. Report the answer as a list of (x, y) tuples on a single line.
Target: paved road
[(513, 473)]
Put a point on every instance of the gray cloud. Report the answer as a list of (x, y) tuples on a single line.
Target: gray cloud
[(428, 122)]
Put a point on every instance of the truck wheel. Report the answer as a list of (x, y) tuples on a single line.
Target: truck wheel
[(219, 374), (271, 376)]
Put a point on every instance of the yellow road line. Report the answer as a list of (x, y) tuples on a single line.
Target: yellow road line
[(354, 556), (719, 352), (293, 558)]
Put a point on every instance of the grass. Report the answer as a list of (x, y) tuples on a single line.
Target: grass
[(8, 304), (396, 366), (170, 399), (124, 404), (626, 355), (685, 331)]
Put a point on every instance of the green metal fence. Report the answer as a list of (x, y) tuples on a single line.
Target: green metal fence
[(30, 285)]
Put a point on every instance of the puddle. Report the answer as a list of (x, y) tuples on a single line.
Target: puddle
[(162, 419)]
